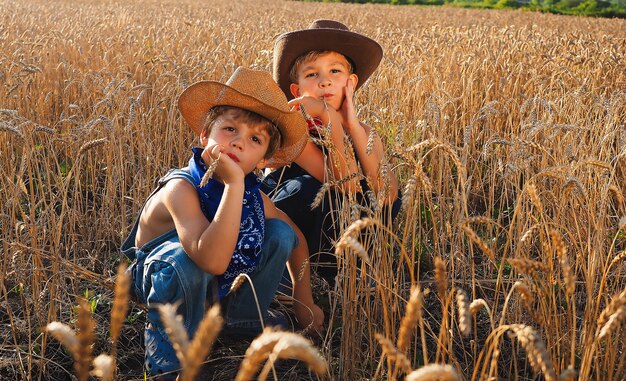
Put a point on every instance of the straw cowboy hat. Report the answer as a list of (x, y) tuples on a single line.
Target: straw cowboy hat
[(364, 53), (254, 91)]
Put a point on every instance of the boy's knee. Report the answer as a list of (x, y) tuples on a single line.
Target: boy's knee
[(280, 238)]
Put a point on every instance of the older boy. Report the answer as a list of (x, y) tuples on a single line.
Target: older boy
[(192, 239), (319, 69)]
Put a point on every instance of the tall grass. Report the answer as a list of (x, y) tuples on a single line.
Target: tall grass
[(507, 131)]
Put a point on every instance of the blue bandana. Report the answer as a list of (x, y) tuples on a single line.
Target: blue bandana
[(252, 229)]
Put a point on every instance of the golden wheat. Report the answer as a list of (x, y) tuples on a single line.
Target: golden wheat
[(394, 354), (202, 342), (465, 315), (434, 372), (521, 133), (104, 367), (411, 317)]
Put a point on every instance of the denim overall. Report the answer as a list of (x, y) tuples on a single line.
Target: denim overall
[(163, 273)]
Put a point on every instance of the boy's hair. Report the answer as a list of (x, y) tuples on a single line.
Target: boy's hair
[(251, 118), (311, 56)]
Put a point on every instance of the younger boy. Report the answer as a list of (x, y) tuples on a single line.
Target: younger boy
[(319, 69), (191, 239)]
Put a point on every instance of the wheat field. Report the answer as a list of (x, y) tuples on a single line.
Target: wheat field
[(507, 131)]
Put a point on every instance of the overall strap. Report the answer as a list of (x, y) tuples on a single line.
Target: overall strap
[(129, 243)]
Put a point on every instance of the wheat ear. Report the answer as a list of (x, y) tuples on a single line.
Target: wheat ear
[(295, 346), (351, 242), (91, 144), (85, 328), (257, 352), (465, 317), (202, 342), (536, 351), (210, 170), (561, 251), (120, 303), (104, 367), (238, 282), (64, 335), (412, 315), (441, 277), (471, 234), (434, 372), (393, 353), (175, 331), (614, 321), (527, 266), (569, 374)]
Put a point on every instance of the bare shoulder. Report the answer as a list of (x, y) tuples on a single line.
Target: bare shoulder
[(157, 216), (180, 198), (268, 206)]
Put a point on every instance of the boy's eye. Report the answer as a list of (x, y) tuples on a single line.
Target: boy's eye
[(256, 140), (227, 128), (310, 75), (334, 71)]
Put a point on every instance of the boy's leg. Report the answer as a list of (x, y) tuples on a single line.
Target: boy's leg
[(170, 277), (242, 314), (294, 197)]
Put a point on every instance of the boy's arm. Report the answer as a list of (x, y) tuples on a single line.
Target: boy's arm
[(209, 244), (312, 161), (370, 164), (341, 165), (359, 132), (307, 312)]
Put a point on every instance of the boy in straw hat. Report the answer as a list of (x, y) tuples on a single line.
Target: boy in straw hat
[(193, 237), (319, 69)]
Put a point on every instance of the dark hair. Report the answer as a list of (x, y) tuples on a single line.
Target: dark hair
[(251, 118), (313, 55)]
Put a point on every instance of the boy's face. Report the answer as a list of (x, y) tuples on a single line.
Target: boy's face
[(246, 143), (325, 77)]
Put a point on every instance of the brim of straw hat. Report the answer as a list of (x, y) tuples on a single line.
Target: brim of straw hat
[(364, 52), (196, 101)]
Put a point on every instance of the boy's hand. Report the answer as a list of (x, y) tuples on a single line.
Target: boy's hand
[(347, 111), (311, 318), (227, 170), (313, 107)]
